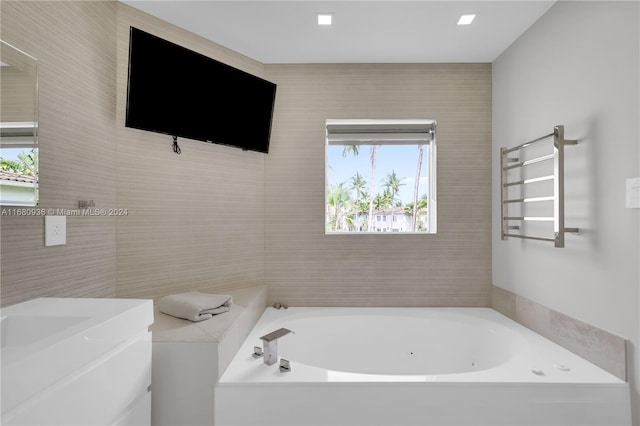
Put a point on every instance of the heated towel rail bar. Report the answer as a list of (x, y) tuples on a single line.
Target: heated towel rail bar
[(508, 165)]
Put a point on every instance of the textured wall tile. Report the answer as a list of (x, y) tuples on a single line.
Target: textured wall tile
[(503, 301), (74, 43), (196, 220), (602, 348), (532, 315), (305, 267)]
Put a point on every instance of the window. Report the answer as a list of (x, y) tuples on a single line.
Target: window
[(18, 164), (18, 127), (376, 169)]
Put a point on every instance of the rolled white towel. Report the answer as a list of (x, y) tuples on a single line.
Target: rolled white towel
[(194, 305)]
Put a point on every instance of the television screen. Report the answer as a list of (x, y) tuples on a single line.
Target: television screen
[(179, 92)]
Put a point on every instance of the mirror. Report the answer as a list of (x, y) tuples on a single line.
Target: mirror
[(18, 127)]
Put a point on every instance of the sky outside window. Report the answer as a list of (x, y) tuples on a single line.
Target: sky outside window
[(403, 159)]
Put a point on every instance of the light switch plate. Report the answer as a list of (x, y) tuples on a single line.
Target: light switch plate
[(633, 193), (55, 230)]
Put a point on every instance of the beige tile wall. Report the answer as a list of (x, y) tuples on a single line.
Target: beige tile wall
[(195, 220), (74, 43), (217, 217), (18, 85), (303, 266)]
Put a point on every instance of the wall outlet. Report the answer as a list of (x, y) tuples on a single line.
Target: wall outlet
[(55, 230)]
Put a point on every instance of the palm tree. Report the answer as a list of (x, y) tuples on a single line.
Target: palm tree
[(374, 149), (351, 148), (338, 201), (362, 206), (382, 201), (357, 184), (416, 187), (24, 165), (414, 210), (393, 184), (355, 150)]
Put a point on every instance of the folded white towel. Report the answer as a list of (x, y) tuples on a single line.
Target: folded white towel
[(195, 306)]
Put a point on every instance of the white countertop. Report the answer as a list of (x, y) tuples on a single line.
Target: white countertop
[(46, 339)]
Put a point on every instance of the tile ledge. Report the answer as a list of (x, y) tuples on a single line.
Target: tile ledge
[(598, 346), (245, 301)]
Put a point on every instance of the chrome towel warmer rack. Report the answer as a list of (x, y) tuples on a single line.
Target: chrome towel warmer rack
[(508, 164)]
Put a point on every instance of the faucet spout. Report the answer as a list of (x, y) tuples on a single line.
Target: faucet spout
[(270, 345)]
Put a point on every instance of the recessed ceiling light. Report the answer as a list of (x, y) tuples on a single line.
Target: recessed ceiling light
[(325, 18), (466, 19)]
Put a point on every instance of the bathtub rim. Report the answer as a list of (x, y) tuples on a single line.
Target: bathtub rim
[(525, 375)]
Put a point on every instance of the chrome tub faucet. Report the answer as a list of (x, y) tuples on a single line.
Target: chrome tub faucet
[(270, 345)]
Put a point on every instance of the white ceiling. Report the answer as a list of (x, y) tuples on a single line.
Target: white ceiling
[(416, 31)]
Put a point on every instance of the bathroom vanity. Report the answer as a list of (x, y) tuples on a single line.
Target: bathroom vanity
[(74, 361)]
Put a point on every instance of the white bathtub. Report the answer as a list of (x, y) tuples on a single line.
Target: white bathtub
[(414, 366)]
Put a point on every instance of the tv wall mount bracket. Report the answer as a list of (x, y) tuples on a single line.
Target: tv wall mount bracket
[(176, 147)]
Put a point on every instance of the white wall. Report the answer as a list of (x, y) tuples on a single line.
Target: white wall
[(578, 66)]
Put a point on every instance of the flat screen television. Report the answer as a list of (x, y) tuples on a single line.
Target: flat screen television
[(179, 92)]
